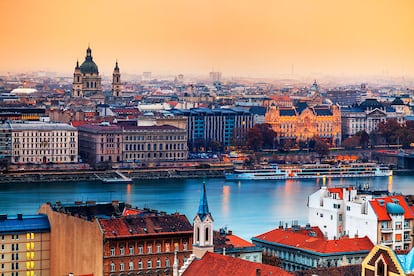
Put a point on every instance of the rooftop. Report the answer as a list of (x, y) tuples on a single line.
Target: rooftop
[(212, 264), (20, 223), (312, 240), (383, 209)]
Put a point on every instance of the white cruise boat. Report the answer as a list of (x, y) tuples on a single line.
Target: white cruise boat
[(308, 171)]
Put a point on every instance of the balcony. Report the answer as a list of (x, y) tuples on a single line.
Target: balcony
[(386, 230), (386, 242)]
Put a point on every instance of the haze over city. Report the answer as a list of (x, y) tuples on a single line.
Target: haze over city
[(238, 38)]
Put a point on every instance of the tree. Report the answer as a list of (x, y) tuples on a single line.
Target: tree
[(321, 148), (363, 138), (254, 139), (389, 130), (261, 136), (351, 142)]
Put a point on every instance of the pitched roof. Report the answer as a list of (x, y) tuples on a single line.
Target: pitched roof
[(212, 264), (311, 239), (380, 207), (228, 241), (145, 225)]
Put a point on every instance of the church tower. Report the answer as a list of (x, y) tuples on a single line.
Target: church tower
[(203, 227), (116, 82), (77, 82)]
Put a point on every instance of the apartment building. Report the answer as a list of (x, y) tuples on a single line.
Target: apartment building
[(386, 220), (24, 245)]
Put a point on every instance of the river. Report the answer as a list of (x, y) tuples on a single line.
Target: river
[(248, 208)]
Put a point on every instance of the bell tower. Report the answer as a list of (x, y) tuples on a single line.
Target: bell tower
[(116, 82), (203, 227), (77, 82)]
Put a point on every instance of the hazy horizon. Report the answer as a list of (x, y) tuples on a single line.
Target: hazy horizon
[(239, 38)]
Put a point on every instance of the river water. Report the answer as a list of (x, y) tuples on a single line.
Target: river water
[(248, 208)]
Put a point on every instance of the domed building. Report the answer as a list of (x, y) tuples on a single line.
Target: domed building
[(86, 79)]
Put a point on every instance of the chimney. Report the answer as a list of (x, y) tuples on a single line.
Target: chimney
[(20, 216), (230, 232), (258, 272)]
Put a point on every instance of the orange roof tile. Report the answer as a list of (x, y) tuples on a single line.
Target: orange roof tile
[(212, 264), (238, 242), (381, 209), (338, 191), (313, 240)]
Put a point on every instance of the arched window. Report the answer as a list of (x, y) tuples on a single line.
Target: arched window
[(207, 237), (112, 267), (198, 234)]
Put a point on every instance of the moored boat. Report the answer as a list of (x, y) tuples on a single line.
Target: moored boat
[(309, 171)]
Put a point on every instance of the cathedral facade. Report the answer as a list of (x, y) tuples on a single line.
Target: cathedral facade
[(87, 81)]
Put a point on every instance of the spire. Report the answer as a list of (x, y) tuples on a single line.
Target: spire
[(77, 64), (116, 65), (203, 206), (88, 54)]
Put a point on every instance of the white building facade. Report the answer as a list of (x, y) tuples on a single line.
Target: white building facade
[(43, 143), (342, 212)]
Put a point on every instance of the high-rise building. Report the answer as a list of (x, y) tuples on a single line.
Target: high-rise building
[(86, 78)]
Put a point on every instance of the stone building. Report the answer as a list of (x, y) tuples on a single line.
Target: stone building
[(43, 143), (86, 78), (301, 123), (115, 239), (132, 144), (25, 245)]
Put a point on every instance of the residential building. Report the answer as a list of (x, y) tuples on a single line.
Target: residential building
[(11, 113), (386, 220), (43, 143), (25, 245), (301, 248), (114, 239), (301, 123), (206, 126)]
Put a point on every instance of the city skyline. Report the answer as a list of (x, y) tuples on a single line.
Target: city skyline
[(269, 38)]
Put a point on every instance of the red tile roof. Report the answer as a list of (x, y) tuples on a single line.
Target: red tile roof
[(212, 264), (381, 209), (238, 242), (138, 225), (338, 191), (313, 240)]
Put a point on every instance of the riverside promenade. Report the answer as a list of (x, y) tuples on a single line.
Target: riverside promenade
[(90, 175)]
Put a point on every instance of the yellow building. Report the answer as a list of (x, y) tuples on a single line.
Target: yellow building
[(301, 123), (25, 245)]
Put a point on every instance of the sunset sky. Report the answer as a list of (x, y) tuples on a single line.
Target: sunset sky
[(236, 37)]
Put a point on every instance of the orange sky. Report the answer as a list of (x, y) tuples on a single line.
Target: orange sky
[(237, 37)]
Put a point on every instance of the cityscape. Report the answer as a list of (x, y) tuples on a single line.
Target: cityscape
[(206, 138)]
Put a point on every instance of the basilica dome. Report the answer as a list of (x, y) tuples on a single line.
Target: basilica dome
[(89, 66)]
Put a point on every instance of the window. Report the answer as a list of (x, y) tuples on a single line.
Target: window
[(158, 263), (122, 251), (140, 249), (185, 246), (131, 265), (112, 251), (348, 208), (121, 266), (149, 249), (131, 250), (139, 264), (167, 262), (167, 247), (112, 267), (149, 264), (158, 248)]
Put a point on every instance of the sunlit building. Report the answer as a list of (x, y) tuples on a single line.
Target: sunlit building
[(86, 78), (302, 123), (25, 245)]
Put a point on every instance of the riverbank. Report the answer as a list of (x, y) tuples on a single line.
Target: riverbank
[(153, 173)]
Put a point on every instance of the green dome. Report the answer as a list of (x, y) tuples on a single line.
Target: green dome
[(89, 66)]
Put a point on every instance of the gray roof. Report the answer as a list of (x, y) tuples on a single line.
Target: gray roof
[(41, 126)]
